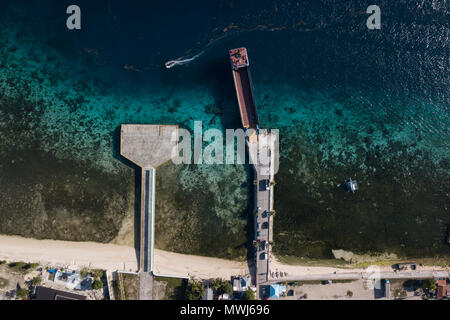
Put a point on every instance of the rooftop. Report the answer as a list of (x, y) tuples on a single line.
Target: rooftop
[(43, 293)]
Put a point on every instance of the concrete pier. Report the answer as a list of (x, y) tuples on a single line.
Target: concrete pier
[(148, 146), (264, 198)]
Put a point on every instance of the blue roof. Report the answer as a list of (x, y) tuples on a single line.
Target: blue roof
[(276, 290)]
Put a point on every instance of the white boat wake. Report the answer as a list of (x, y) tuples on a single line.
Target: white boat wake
[(182, 61)]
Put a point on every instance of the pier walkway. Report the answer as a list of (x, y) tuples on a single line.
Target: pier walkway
[(147, 146), (263, 222), (257, 143)]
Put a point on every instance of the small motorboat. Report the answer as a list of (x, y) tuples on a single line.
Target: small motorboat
[(351, 185), (170, 64)]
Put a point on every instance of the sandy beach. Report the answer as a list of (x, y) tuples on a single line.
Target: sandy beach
[(117, 257), (113, 257)]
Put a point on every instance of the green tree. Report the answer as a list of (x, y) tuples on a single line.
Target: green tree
[(429, 284), (22, 293), (216, 283), (195, 290), (84, 272), (227, 288), (16, 265), (249, 295), (222, 286), (37, 281), (349, 293), (97, 284), (97, 273)]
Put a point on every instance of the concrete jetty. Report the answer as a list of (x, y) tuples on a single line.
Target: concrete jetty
[(147, 146), (260, 145)]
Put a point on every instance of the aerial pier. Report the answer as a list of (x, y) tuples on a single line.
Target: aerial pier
[(147, 146), (259, 143)]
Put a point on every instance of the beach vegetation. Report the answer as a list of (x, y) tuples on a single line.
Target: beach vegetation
[(221, 286), (175, 288), (249, 294), (84, 272), (429, 284), (195, 290), (97, 273), (22, 293), (19, 266), (37, 281), (118, 289), (97, 285)]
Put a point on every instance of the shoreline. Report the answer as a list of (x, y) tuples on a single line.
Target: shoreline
[(114, 257), (118, 257)]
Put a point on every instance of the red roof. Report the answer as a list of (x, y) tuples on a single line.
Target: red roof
[(442, 288)]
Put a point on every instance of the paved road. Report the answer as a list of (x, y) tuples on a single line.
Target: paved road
[(262, 227), (147, 208), (146, 286), (263, 233), (364, 275), (146, 246)]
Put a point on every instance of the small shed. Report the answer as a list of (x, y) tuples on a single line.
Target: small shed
[(387, 289), (441, 289)]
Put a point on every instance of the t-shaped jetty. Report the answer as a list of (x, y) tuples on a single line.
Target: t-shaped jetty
[(148, 146)]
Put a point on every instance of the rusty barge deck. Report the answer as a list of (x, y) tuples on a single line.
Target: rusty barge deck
[(244, 88)]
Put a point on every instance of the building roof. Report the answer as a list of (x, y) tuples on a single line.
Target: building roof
[(276, 290), (442, 288), (208, 294), (245, 282), (43, 293), (236, 285)]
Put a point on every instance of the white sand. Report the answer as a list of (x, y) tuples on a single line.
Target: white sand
[(89, 254), (170, 263), (113, 257), (117, 257)]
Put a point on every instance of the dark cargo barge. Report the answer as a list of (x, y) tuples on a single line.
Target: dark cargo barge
[(244, 89)]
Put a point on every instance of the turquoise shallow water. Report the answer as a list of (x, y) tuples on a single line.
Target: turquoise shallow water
[(373, 106)]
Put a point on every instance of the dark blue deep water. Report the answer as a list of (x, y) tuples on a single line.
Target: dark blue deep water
[(348, 101)]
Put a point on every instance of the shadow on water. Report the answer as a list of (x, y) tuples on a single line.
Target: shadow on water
[(137, 188), (218, 73)]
